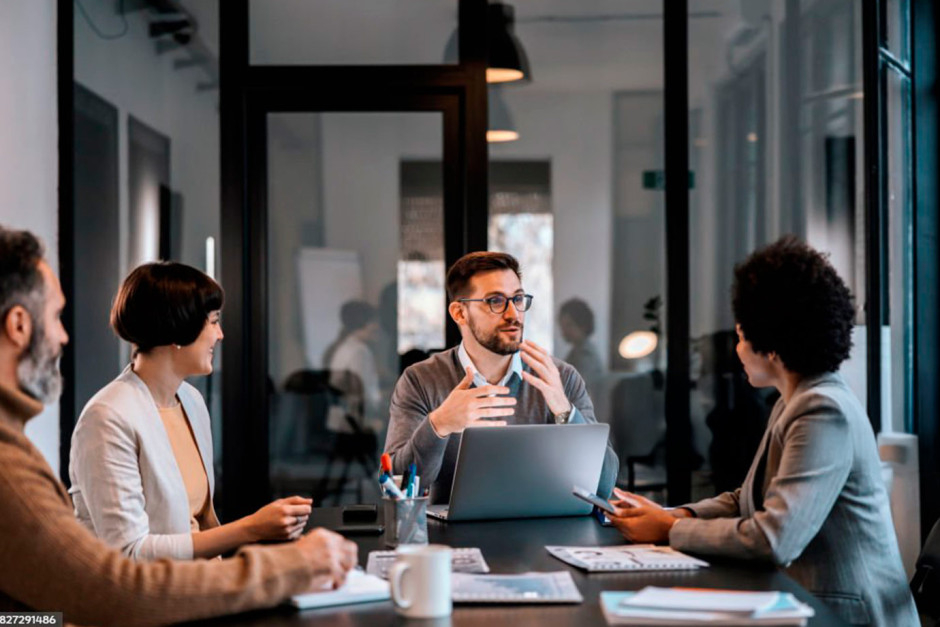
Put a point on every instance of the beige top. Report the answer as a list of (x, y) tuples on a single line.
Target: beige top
[(50, 562), (189, 461)]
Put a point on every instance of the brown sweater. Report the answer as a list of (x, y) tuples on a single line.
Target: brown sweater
[(50, 562)]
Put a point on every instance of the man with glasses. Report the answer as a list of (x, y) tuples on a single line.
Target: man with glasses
[(493, 378)]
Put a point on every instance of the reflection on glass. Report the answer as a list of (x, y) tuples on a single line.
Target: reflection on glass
[(898, 28), (355, 282), (776, 148), (146, 171), (529, 237), (570, 199), (897, 402), (421, 309)]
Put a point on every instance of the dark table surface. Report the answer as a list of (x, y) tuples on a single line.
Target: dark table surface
[(517, 546)]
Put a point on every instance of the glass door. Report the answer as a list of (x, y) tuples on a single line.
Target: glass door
[(355, 288)]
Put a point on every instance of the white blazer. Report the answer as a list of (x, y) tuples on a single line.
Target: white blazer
[(126, 485)]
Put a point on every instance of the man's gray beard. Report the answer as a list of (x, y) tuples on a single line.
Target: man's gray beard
[(38, 371), (494, 342)]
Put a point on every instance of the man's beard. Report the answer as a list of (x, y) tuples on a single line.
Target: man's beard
[(38, 370), (494, 341)]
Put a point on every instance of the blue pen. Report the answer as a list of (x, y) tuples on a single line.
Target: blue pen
[(406, 480), (390, 488), (412, 471)]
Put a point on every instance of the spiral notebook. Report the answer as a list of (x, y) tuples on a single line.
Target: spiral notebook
[(628, 557)]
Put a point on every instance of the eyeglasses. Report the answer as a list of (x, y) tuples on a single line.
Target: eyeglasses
[(499, 303)]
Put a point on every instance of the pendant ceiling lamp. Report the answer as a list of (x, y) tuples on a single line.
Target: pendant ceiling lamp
[(500, 127), (506, 60)]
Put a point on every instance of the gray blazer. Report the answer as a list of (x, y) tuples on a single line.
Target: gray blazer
[(825, 516), (126, 485)]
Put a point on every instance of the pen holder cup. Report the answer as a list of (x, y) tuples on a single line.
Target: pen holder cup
[(406, 521)]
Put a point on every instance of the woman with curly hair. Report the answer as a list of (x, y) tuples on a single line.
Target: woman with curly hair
[(813, 502)]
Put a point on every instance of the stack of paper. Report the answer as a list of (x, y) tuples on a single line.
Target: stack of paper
[(626, 557), (682, 606), (359, 588)]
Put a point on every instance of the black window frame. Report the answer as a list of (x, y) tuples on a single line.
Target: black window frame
[(249, 93)]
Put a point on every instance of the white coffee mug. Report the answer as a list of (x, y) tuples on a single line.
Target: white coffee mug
[(420, 580)]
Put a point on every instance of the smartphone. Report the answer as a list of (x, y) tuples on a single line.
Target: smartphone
[(360, 513), (593, 499), (360, 530)]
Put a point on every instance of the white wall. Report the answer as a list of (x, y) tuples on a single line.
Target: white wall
[(128, 73), (293, 205), (573, 131), (357, 178), (28, 149), (362, 153)]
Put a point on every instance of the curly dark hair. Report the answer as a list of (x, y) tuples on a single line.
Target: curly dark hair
[(789, 300)]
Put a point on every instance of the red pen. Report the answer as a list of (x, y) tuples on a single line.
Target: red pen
[(387, 463)]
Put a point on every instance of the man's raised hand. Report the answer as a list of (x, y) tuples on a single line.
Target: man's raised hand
[(467, 407)]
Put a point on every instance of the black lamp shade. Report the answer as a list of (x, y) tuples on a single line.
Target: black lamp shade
[(506, 59)]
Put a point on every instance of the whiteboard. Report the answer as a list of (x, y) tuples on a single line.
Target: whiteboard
[(328, 278)]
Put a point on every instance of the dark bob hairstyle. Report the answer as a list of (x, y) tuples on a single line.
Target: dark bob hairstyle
[(164, 303), (789, 300)]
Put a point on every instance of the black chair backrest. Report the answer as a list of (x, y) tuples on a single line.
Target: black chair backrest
[(926, 582)]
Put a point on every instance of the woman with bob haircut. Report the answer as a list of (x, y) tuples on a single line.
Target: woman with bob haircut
[(814, 501), (141, 461)]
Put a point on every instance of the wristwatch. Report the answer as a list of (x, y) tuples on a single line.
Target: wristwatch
[(562, 418)]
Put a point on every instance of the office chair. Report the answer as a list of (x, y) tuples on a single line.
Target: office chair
[(925, 585), (356, 447), (639, 428)]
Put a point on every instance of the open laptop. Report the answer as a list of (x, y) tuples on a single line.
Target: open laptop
[(524, 471)]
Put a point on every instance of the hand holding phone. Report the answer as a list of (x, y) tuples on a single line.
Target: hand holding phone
[(629, 499), (593, 499)]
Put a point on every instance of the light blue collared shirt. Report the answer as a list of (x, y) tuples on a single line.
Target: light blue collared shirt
[(515, 367)]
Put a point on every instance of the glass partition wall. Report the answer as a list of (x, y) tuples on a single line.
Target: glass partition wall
[(354, 137), (776, 148), (146, 172), (572, 182), (355, 285), (577, 196)]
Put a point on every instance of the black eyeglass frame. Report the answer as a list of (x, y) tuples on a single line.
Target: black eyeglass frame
[(516, 300)]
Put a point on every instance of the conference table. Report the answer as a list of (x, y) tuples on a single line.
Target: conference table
[(517, 546)]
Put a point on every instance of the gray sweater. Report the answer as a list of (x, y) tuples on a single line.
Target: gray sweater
[(424, 386)]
